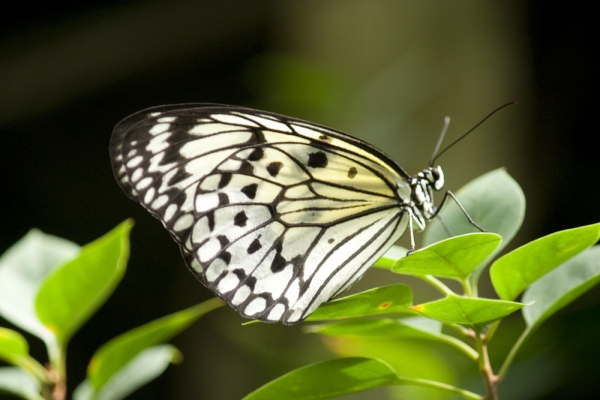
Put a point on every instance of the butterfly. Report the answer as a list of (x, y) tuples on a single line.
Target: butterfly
[(273, 214)]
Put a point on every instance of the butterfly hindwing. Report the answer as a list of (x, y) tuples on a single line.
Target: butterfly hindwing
[(273, 214)]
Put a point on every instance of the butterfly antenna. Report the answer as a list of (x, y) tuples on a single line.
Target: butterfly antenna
[(439, 142), (433, 158)]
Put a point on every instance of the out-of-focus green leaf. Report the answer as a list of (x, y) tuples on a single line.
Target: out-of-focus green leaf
[(389, 258), (23, 267), (472, 312), (328, 379), (494, 200), (13, 346), (513, 272), (452, 258), (383, 300), (383, 327), (560, 287), (19, 383), (15, 350), (72, 293), (143, 368), (118, 352)]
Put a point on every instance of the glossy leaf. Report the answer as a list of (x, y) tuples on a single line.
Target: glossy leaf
[(73, 292), (143, 368), (513, 272), (19, 383), (390, 257), (118, 352), (453, 258), (328, 379), (13, 346), (468, 311), (23, 268), (382, 300), (408, 328), (562, 286), (494, 200)]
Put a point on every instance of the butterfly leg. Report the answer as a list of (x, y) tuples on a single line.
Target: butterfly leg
[(411, 232), (449, 194)]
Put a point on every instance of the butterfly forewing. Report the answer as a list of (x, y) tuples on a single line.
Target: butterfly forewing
[(273, 214)]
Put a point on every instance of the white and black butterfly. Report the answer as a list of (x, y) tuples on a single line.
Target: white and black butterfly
[(274, 214)]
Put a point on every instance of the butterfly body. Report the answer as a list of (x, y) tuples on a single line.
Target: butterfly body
[(273, 214)]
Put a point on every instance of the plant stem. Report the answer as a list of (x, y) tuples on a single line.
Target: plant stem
[(58, 373), (439, 385), (511, 355), (439, 285), (485, 369)]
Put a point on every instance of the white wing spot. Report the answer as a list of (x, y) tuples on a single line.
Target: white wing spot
[(276, 312), (228, 283), (215, 269), (137, 174), (241, 295), (159, 128), (160, 201), (232, 119), (149, 195), (144, 183), (170, 212), (183, 222), (166, 119), (257, 305), (134, 162)]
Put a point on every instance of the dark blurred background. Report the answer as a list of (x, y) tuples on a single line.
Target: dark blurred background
[(385, 71)]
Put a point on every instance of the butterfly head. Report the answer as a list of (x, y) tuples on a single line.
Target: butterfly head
[(422, 185)]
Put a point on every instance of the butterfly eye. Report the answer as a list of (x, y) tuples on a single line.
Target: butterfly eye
[(438, 177)]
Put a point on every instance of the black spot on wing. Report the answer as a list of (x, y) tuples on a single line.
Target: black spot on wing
[(225, 179), (279, 261), (211, 220), (250, 190), (240, 219), (317, 160), (254, 246), (274, 168), (225, 256), (331, 240), (223, 199), (256, 154), (246, 168), (223, 241), (352, 173)]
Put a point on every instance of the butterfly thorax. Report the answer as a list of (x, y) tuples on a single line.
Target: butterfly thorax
[(422, 186)]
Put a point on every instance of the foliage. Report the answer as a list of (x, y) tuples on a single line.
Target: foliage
[(50, 287), (549, 272)]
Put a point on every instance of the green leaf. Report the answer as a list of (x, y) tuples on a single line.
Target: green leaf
[(453, 258), (468, 311), (494, 200), (561, 286), (118, 352), (328, 379), (408, 328), (143, 368), (513, 272), (23, 268), (73, 292), (13, 346), (19, 383), (390, 257), (383, 300)]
